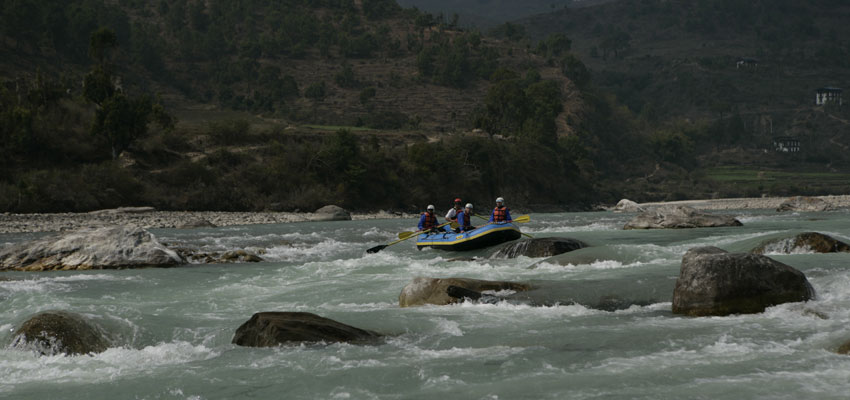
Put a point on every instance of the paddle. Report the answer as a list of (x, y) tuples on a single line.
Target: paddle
[(521, 219), (384, 246), (405, 235)]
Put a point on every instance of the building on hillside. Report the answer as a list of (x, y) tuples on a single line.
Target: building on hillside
[(786, 144), (828, 95), (746, 62)]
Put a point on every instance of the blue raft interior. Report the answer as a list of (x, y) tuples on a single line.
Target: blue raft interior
[(485, 236)]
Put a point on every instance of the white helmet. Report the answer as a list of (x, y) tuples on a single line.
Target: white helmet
[(469, 205), (500, 200), (430, 207)]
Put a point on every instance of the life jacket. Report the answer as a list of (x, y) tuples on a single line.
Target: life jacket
[(430, 221), (500, 214), (465, 221)]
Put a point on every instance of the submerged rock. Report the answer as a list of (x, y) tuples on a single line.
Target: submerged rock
[(539, 247), (679, 217), (715, 282), (112, 247), (268, 329), (806, 204), (57, 332), (232, 256), (806, 242), (422, 290), (332, 213), (196, 223)]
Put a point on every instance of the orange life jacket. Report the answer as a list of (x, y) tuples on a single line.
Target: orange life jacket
[(465, 221), (500, 214), (430, 221)]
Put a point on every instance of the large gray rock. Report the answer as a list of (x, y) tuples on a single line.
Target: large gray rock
[(112, 247), (422, 290), (806, 204), (123, 210), (57, 332), (332, 213), (803, 242), (269, 329), (626, 205), (715, 282), (679, 217), (539, 247)]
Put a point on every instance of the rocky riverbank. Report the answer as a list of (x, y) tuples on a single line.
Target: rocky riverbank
[(748, 203), (147, 219)]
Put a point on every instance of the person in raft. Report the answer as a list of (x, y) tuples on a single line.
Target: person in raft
[(452, 214), (428, 221), (500, 214), (463, 218)]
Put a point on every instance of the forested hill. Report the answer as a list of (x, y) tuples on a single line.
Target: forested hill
[(486, 14), (747, 71), (292, 104)]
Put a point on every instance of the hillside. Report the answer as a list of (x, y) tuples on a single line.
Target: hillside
[(486, 14), (678, 60), (281, 105)]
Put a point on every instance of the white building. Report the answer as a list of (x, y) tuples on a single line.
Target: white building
[(828, 95)]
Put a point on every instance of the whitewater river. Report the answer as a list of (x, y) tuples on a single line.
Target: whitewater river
[(171, 329)]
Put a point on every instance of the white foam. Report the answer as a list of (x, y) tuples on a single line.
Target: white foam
[(58, 283), (22, 367), (448, 327), (326, 249)]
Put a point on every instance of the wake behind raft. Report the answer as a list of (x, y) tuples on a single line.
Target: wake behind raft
[(485, 236)]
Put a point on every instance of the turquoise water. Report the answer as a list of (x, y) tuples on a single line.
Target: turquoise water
[(171, 328)]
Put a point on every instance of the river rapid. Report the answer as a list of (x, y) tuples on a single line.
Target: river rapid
[(171, 329)]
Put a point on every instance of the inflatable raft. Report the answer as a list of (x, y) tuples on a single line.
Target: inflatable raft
[(485, 236)]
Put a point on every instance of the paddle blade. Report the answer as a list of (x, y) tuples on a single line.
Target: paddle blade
[(405, 235), (522, 219), (376, 248)]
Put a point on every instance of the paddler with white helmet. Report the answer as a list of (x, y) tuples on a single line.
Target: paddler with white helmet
[(501, 214), (463, 218)]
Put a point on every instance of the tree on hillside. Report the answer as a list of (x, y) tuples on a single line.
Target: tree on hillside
[(119, 118), (377, 9)]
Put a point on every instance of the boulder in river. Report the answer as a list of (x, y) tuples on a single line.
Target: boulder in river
[(803, 242), (678, 217), (806, 204), (123, 210), (539, 247), (422, 290), (269, 329), (111, 247), (715, 282), (332, 213), (626, 205), (57, 332)]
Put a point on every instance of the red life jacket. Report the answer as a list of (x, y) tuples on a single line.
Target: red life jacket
[(430, 221), (500, 214)]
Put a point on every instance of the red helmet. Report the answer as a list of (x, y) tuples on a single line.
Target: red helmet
[(458, 200)]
